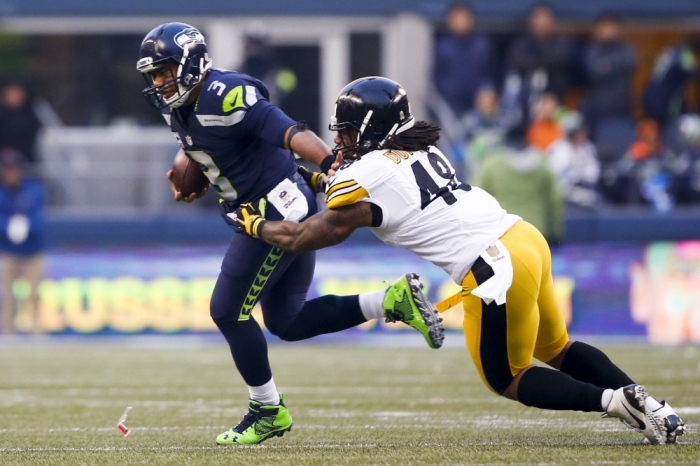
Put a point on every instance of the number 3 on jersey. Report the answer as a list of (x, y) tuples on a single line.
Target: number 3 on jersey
[(212, 172), (428, 182)]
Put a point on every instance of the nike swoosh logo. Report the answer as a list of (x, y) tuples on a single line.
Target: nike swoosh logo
[(642, 426)]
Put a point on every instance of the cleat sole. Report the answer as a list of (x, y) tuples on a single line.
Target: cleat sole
[(436, 332), (641, 395)]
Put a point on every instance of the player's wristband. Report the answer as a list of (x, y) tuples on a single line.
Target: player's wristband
[(313, 179), (257, 226), (317, 184), (327, 163)]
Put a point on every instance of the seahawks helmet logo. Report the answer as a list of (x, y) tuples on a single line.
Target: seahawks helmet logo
[(189, 36)]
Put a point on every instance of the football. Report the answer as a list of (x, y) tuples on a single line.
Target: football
[(187, 176)]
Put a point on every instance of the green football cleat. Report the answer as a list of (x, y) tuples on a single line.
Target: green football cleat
[(261, 423), (405, 302)]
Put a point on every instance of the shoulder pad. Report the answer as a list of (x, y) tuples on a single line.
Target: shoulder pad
[(342, 191), (225, 93)]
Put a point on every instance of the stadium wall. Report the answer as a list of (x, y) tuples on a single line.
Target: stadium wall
[(189, 226), (621, 289)]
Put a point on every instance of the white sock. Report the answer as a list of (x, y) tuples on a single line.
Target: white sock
[(606, 398), (371, 304), (266, 394), (653, 404)]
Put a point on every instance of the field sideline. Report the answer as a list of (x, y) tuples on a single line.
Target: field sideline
[(60, 402)]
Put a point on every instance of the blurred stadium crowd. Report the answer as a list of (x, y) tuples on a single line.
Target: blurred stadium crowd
[(552, 109), (576, 111)]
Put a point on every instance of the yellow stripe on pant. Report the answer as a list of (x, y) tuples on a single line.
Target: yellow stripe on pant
[(502, 340)]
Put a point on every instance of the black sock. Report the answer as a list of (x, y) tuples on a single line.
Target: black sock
[(551, 389), (327, 314), (589, 364)]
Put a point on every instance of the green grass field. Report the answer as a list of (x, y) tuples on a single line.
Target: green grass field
[(60, 402)]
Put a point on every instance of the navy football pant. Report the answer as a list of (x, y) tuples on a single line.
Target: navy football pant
[(254, 271)]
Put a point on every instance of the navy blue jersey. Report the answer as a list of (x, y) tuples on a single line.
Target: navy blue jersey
[(235, 135)]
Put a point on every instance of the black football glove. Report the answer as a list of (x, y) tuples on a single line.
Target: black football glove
[(313, 179), (249, 218)]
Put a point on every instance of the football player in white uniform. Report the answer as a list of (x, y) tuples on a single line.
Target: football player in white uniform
[(400, 186)]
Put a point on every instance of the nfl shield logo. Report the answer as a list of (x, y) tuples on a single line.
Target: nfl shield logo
[(493, 251), (188, 139)]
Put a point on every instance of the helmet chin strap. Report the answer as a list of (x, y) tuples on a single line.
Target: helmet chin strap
[(180, 100), (183, 92)]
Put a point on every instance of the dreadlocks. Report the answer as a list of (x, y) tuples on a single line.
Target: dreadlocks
[(419, 137)]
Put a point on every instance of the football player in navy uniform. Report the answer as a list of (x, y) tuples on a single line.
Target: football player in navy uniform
[(243, 144), (401, 186)]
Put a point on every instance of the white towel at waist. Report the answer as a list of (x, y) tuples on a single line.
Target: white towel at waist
[(496, 287)]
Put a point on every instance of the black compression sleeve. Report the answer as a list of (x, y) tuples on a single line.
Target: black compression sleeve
[(549, 389), (589, 364)]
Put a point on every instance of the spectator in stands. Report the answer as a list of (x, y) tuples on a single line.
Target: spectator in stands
[(545, 128), (688, 181), (609, 64), (19, 124), (463, 60), (573, 161), (521, 182), (22, 241), (674, 69), (486, 126), (488, 114), (646, 173), (540, 58)]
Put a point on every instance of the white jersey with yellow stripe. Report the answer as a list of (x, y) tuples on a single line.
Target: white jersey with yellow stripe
[(425, 209)]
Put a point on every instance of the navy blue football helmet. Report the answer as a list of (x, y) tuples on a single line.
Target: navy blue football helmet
[(377, 108), (177, 43)]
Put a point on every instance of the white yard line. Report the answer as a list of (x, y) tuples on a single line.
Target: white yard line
[(320, 446), (502, 423), (688, 410)]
